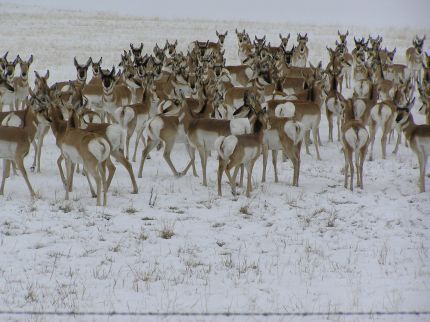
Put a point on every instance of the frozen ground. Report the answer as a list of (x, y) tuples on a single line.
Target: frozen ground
[(318, 247)]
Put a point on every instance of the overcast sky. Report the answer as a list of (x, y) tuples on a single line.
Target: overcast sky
[(378, 13)]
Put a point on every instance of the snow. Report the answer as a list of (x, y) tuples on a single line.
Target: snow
[(316, 247)]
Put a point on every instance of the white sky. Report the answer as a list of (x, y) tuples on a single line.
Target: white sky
[(378, 13)]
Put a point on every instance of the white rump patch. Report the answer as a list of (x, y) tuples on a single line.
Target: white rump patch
[(100, 148), (295, 131), (285, 110), (154, 128), (359, 108), (7, 150), (114, 134), (225, 146), (12, 120), (356, 140), (240, 126)]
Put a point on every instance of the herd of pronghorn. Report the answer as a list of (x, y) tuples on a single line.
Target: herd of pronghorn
[(272, 101)]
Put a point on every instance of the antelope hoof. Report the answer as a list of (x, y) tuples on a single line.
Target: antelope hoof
[(148, 157), (135, 191), (32, 168)]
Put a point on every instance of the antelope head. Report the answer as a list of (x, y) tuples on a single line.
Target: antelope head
[(9, 68), (96, 66), (284, 40), (171, 47), (302, 41), (25, 66), (259, 42), (41, 82), (109, 79), (418, 44), (137, 51), (240, 36), (81, 70), (221, 37), (342, 37)]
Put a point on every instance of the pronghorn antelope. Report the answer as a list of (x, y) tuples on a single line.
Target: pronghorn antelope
[(97, 72), (355, 140), (284, 134), (89, 149), (41, 82), (142, 112), (394, 72), (169, 130), (93, 91), (114, 96), (237, 150), (385, 88), (219, 45), (346, 62), (21, 82), (308, 112), (301, 52), (171, 48), (202, 132), (136, 51), (418, 137), (334, 104), (81, 75), (342, 38), (15, 144), (360, 70), (8, 97), (381, 115), (245, 47), (414, 58), (113, 134)]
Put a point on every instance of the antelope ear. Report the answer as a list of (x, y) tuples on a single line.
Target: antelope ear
[(347, 33), (411, 104), (141, 46), (100, 61), (5, 55), (19, 59), (30, 91), (75, 62), (16, 60), (47, 74), (36, 74), (30, 60), (217, 34), (176, 42), (89, 61)]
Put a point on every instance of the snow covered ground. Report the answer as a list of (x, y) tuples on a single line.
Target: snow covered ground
[(318, 247)]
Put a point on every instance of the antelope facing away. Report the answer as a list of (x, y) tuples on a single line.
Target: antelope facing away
[(236, 150), (355, 140)]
